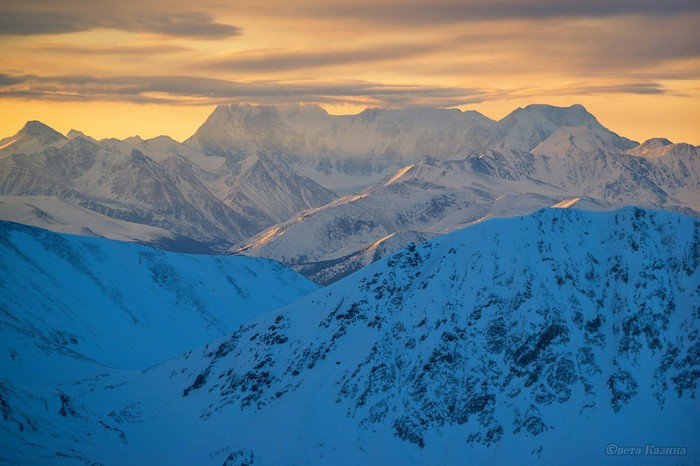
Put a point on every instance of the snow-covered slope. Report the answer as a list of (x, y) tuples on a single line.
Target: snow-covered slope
[(121, 305), (33, 137), (550, 339), (572, 142)]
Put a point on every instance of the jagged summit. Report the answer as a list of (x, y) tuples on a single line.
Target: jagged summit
[(38, 129), (661, 147), (33, 136), (74, 133)]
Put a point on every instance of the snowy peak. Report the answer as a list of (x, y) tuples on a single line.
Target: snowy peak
[(575, 115), (267, 186), (573, 142), (527, 127), (33, 137), (238, 131), (43, 133), (662, 147), (655, 143), (74, 133), (311, 133)]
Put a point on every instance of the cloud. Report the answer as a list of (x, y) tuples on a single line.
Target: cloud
[(115, 50), (565, 48), (185, 90), (285, 60), (418, 12), (180, 24), (7, 80), (188, 24), (574, 49), (26, 23), (639, 88), (188, 90)]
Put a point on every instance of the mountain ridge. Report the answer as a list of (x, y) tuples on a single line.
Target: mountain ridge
[(434, 197), (517, 337), (290, 162), (125, 305)]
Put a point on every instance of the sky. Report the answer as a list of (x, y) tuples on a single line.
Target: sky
[(122, 68)]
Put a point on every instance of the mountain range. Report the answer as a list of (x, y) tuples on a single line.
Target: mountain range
[(489, 294), (329, 194), (546, 338)]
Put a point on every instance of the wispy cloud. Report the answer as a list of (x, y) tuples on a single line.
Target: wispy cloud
[(418, 12), (192, 24), (285, 60), (114, 50), (187, 90)]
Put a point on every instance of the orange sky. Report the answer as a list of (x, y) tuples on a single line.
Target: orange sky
[(113, 69)]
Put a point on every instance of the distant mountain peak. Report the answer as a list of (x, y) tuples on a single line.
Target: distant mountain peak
[(74, 133), (661, 147), (655, 143), (37, 128), (33, 136), (574, 115)]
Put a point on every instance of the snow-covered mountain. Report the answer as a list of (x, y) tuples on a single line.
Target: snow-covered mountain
[(548, 338), (122, 305), (33, 137), (155, 191), (267, 180), (430, 198), (662, 147), (350, 151), (525, 128)]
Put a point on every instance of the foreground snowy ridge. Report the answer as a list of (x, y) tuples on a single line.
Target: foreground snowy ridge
[(540, 338), (123, 305)]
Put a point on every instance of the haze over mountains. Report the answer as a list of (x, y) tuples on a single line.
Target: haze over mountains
[(279, 181), (542, 339)]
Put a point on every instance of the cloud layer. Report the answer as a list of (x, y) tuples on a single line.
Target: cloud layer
[(191, 90)]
